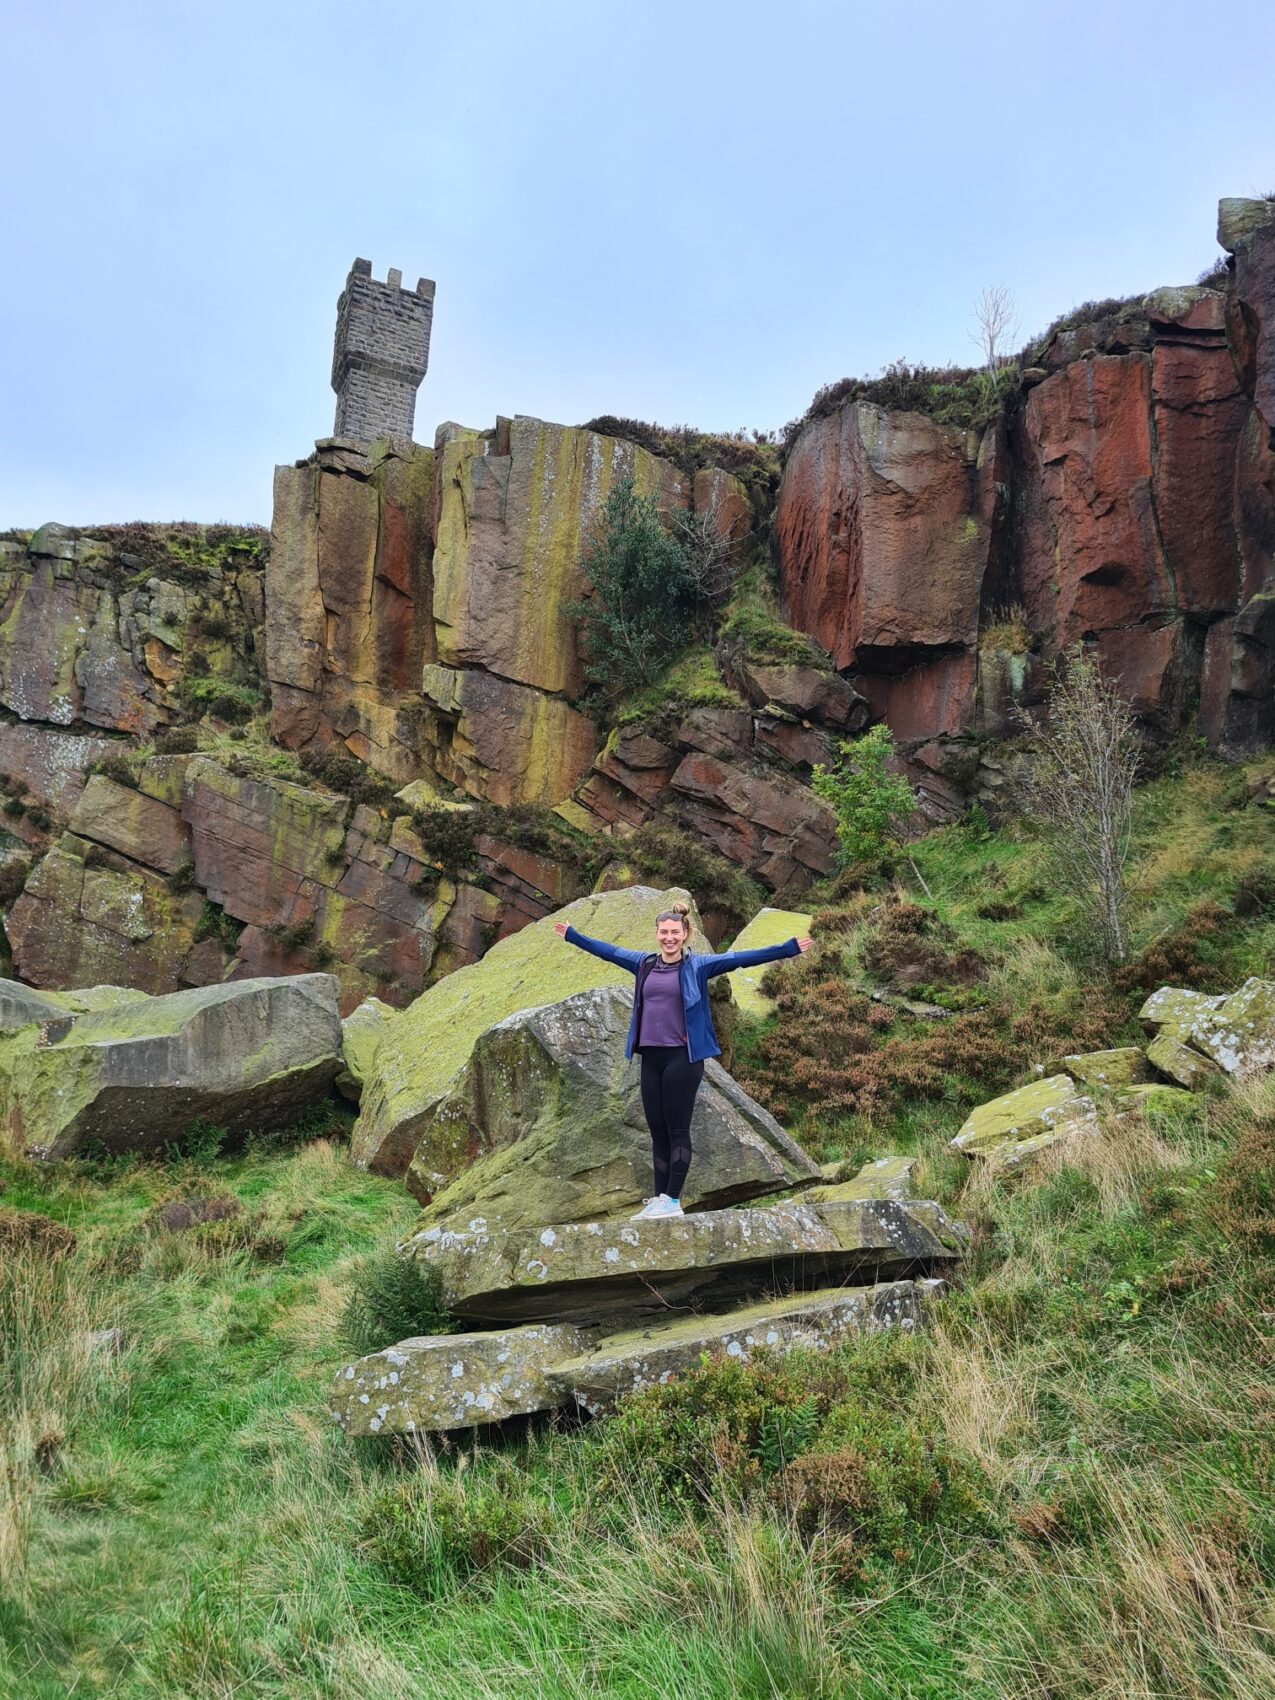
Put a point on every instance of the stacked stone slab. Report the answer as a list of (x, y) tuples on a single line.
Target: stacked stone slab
[(589, 1311)]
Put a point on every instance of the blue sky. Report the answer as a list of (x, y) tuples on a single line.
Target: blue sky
[(694, 212)]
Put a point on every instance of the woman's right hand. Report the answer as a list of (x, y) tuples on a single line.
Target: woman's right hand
[(560, 927)]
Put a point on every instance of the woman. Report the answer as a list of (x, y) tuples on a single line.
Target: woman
[(672, 1028)]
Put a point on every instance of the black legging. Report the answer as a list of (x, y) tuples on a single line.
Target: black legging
[(670, 1081)]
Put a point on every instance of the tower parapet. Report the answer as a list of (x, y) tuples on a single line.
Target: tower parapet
[(380, 353)]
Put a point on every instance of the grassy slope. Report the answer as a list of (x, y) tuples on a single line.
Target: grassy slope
[(1064, 1489)]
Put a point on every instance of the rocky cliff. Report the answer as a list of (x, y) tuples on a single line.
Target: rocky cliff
[(1125, 498), (363, 743)]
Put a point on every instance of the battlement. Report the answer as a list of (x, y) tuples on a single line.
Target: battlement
[(380, 353)]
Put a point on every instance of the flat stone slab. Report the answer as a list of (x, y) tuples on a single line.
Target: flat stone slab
[(883, 1177), (768, 926), (443, 1381), (1108, 1071), (647, 1357), (601, 1272), (1180, 1061), (1023, 1121)]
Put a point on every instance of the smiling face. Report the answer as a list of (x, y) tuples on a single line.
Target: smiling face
[(671, 936)]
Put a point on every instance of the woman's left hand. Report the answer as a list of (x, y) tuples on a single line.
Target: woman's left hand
[(803, 945)]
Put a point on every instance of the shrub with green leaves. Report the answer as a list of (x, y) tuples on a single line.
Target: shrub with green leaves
[(391, 1299), (868, 799), (643, 607)]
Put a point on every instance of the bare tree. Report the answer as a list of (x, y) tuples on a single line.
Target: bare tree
[(996, 325), (1081, 784), (711, 558)]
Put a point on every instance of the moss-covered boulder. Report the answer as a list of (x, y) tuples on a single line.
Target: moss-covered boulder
[(1171, 1055), (1235, 1030), (361, 1033), (1011, 1126), (883, 1177), (768, 926), (585, 1272), (1108, 1071), (247, 1055), (426, 1046), (649, 1356), (544, 1123), (445, 1381)]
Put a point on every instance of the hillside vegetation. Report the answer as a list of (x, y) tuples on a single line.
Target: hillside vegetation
[(1064, 1488)]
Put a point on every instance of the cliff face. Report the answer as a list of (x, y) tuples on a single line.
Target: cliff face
[(1129, 506), (402, 626)]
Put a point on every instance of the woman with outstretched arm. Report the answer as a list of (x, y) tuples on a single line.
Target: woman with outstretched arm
[(672, 1029)]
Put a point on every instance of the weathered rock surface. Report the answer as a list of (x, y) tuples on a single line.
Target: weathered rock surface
[(86, 638), (767, 927), (544, 1123), (426, 1047), (581, 1271), (250, 1055), (883, 1177), (720, 774), (1171, 1056), (882, 532), (650, 1356), (1235, 1031), (361, 1033), (516, 509), (443, 1381), (502, 740), (1107, 1071), (347, 622), (1012, 1126), (109, 920)]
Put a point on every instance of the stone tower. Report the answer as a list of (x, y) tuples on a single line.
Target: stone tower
[(380, 354)]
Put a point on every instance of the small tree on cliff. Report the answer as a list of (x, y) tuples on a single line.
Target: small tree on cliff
[(643, 605), (1085, 762), (868, 799)]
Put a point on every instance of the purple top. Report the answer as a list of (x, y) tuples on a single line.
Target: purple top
[(663, 1019)]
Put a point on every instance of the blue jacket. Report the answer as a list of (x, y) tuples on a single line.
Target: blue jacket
[(696, 972)]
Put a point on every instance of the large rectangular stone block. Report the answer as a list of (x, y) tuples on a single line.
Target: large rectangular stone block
[(590, 1272)]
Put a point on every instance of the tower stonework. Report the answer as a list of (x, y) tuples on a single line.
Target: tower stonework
[(380, 353)]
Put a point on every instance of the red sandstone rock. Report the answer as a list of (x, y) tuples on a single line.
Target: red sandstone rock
[(347, 614), (805, 691), (724, 499), (882, 533), (931, 700)]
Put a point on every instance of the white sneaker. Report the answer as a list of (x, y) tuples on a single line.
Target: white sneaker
[(650, 1208), (665, 1206)]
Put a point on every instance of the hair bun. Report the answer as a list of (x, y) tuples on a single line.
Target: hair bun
[(681, 905)]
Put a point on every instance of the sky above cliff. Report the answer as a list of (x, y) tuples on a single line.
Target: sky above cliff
[(685, 213)]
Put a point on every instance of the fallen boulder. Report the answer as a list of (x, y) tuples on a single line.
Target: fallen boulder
[(428, 1044), (644, 1357), (442, 1381), (768, 926), (1235, 1030), (1014, 1125), (1108, 1071), (585, 1271), (884, 1177), (361, 1033), (245, 1055), (544, 1123), (1173, 1056)]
